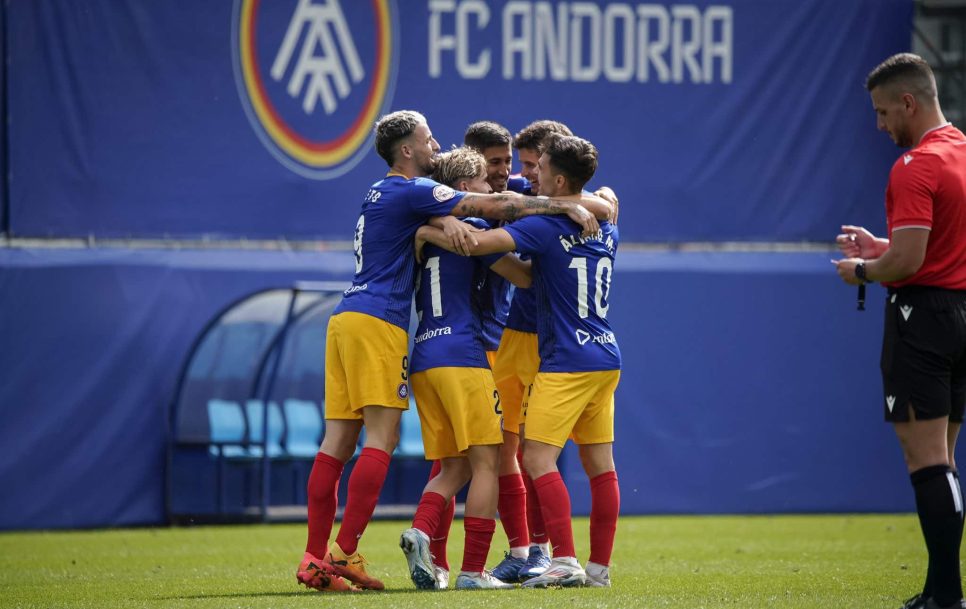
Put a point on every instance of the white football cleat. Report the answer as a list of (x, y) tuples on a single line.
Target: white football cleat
[(480, 581), (598, 576), (415, 545), (442, 577), (565, 572)]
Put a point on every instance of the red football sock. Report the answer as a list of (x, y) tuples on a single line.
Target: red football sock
[(605, 504), (323, 498), (535, 524), (512, 505), (429, 512), (479, 534), (365, 482), (437, 541), (555, 506)]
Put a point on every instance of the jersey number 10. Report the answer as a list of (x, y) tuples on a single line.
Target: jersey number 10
[(602, 289)]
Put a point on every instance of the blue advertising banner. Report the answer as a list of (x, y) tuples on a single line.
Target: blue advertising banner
[(4, 214), (715, 119)]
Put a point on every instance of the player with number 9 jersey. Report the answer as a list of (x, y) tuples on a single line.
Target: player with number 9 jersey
[(392, 210), (366, 344)]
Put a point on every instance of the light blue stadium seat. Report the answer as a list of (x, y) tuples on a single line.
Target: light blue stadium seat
[(276, 427), (227, 425), (303, 424)]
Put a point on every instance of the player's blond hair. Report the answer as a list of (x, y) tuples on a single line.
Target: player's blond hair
[(461, 163)]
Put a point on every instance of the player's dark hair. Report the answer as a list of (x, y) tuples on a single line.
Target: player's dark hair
[(533, 135), (573, 157), (392, 128), (486, 134), (906, 69)]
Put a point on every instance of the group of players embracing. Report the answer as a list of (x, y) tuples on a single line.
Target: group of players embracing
[(513, 356)]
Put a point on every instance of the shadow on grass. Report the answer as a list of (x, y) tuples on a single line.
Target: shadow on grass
[(294, 593)]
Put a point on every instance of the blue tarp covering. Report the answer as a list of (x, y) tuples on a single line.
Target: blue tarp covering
[(716, 120), (750, 382)]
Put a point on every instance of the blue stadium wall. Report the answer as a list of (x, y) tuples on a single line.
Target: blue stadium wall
[(750, 382)]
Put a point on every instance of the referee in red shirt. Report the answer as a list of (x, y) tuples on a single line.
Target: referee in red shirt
[(923, 265)]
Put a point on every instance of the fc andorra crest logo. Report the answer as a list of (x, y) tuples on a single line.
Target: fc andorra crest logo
[(313, 76)]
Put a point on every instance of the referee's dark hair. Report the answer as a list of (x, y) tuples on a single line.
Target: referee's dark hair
[(394, 127), (486, 134), (906, 69), (573, 157)]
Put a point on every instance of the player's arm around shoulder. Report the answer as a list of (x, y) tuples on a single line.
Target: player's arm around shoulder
[(459, 233), (510, 206), (487, 242), (607, 194), (516, 271)]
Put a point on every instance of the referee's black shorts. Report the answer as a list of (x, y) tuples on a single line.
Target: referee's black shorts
[(924, 354)]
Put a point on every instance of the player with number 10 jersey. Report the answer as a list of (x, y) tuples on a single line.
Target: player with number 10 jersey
[(366, 342), (573, 393)]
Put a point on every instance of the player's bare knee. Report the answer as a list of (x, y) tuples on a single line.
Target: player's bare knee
[(340, 439), (484, 459), (382, 427), (457, 473), (596, 458), (539, 458)]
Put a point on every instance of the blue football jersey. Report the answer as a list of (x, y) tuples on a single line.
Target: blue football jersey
[(497, 290), (393, 209), (448, 306), (518, 184), (572, 280), (522, 314), (494, 308), (523, 310)]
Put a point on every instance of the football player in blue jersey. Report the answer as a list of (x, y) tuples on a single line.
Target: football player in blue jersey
[(494, 143), (454, 390), (515, 368), (515, 365), (573, 392), (366, 350)]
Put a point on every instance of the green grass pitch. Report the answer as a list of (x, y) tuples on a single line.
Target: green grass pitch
[(807, 562)]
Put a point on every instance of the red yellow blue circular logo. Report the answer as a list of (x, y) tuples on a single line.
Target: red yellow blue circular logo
[(313, 77)]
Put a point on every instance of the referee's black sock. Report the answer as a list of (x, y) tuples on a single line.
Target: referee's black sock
[(939, 503)]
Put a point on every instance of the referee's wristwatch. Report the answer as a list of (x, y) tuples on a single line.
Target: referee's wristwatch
[(860, 273)]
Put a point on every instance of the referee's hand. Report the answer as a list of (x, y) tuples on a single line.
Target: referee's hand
[(846, 270), (856, 242)]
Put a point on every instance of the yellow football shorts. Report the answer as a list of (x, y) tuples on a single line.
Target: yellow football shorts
[(517, 362), (366, 362), (457, 409), (572, 404)]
